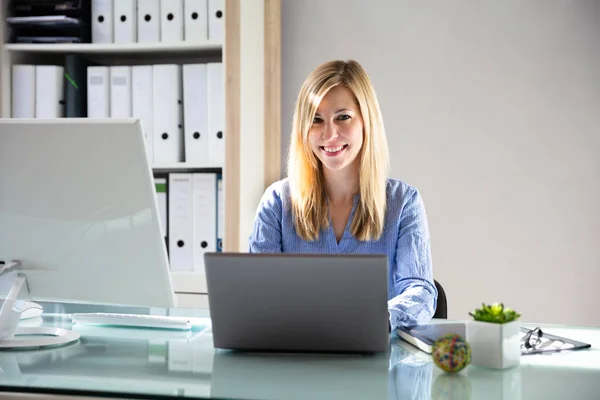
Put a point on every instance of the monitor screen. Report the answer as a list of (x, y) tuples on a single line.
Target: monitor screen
[(78, 210)]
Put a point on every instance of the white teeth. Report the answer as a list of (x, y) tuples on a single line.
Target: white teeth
[(333, 149)]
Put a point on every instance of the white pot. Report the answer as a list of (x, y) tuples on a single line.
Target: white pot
[(494, 345)]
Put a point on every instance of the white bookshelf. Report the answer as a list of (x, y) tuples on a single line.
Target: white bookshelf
[(183, 166), (132, 48), (252, 88)]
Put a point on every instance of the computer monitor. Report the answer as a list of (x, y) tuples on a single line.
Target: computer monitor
[(78, 215)]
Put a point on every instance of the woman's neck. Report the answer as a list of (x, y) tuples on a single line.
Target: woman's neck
[(342, 185)]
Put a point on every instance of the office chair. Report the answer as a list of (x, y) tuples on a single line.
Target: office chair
[(441, 310)]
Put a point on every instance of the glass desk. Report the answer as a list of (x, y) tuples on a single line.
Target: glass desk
[(154, 364)]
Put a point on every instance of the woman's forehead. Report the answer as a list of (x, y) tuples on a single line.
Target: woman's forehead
[(337, 98)]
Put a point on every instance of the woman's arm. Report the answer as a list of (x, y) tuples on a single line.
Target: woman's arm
[(266, 234), (415, 295)]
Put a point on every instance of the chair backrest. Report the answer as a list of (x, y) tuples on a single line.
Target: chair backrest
[(441, 310)]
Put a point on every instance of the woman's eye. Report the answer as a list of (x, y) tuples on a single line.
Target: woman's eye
[(343, 117), (317, 120)]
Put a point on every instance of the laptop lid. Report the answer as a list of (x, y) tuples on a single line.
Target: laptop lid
[(298, 302)]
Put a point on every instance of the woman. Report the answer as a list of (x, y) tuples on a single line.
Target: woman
[(337, 197)]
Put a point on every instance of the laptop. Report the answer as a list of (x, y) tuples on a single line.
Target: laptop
[(298, 302)]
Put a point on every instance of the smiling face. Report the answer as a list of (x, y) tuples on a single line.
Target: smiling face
[(336, 134)]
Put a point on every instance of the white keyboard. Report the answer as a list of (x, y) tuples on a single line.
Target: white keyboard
[(133, 320)]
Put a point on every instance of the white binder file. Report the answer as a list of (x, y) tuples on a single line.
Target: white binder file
[(195, 115), (98, 92), (120, 91), (102, 21), (216, 20), (195, 22), (161, 197), (167, 105), (171, 20), (181, 222), (49, 91), (148, 21), (141, 104), (23, 91), (205, 218), (220, 212), (216, 113), (125, 21)]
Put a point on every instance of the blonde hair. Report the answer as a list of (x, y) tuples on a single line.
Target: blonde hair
[(307, 189)]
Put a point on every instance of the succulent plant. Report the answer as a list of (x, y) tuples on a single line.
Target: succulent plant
[(495, 313)]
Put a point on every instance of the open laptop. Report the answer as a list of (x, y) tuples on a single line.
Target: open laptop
[(298, 302)]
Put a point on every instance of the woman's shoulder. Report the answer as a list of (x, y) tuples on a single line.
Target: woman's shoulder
[(402, 196), (398, 189), (276, 194)]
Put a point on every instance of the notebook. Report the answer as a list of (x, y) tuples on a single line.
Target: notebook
[(423, 336)]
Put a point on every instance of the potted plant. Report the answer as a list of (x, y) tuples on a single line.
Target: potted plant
[(494, 336)]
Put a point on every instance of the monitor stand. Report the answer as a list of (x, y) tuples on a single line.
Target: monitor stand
[(10, 315)]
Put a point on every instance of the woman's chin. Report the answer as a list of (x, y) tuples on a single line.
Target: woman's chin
[(335, 166)]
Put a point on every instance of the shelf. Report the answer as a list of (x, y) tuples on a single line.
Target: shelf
[(114, 48), (184, 167)]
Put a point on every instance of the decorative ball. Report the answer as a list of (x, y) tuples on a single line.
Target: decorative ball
[(451, 353)]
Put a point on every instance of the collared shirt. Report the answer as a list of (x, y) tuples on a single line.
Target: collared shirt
[(412, 295)]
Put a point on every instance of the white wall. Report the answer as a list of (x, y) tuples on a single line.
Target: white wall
[(492, 109)]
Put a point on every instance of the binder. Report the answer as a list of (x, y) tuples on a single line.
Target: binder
[(195, 114), (216, 20), (180, 226), (125, 21), (23, 91), (216, 114), (98, 95), (148, 21), (120, 91), (161, 197), (75, 86), (171, 20), (220, 212), (141, 104), (168, 115), (49, 91), (102, 21), (195, 22), (205, 218)]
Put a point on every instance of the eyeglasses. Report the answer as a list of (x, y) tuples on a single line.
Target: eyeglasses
[(535, 341), (533, 338)]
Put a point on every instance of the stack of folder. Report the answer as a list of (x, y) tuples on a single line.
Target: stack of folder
[(181, 107), (49, 21), (153, 21), (38, 91), (191, 217), (116, 21)]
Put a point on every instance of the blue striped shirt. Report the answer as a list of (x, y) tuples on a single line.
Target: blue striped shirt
[(412, 295)]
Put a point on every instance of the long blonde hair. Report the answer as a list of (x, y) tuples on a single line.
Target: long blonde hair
[(308, 196)]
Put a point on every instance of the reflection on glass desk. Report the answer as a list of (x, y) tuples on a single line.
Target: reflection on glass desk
[(138, 362)]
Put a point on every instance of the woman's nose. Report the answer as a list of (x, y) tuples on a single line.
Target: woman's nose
[(329, 132)]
